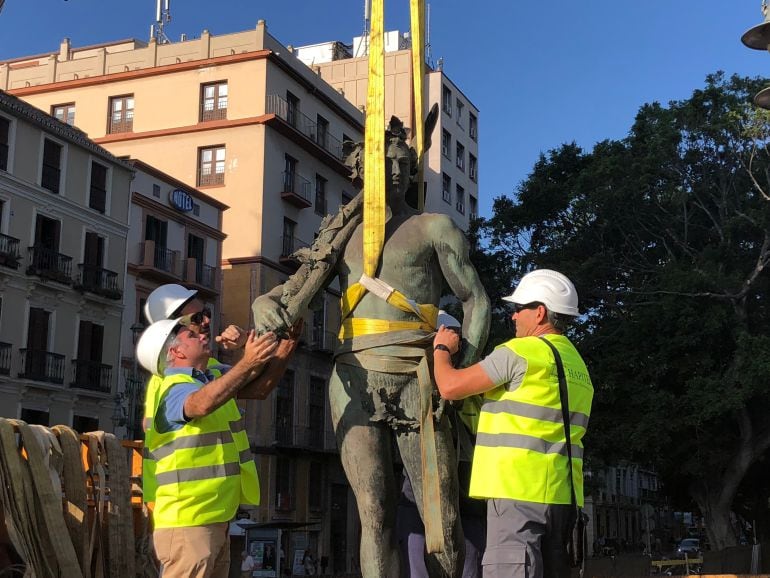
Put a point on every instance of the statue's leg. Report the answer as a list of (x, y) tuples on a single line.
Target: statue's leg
[(450, 561), (365, 451)]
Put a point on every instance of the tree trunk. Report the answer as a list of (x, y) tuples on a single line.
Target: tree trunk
[(716, 512)]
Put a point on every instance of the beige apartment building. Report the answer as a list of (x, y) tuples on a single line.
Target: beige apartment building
[(452, 163), (243, 120), (64, 206)]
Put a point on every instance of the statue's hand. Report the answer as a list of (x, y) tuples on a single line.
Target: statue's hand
[(269, 315)]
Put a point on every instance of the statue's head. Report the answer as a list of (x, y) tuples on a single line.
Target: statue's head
[(400, 159)]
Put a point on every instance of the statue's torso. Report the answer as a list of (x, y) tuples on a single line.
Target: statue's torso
[(409, 263)]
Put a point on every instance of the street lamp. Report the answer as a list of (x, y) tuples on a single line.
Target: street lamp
[(758, 38), (133, 384)]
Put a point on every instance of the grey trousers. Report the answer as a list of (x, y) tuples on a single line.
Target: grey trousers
[(527, 540)]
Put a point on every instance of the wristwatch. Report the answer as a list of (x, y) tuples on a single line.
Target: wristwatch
[(442, 347)]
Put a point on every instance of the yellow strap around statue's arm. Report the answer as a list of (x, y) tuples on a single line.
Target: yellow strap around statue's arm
[(418, 75), (374, 153)]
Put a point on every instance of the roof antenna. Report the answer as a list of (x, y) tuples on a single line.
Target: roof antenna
[(162, 17)]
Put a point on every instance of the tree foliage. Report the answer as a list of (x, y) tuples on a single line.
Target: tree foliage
[(666, 234)]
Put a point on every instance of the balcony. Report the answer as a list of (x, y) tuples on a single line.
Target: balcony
[(9, 251), (49, 264), (92, 375), (296, 190), (98, 281), (201, 274), (279, 107), (42, 366), (211, 110), (159, 262), (289, 245), (5, 358)]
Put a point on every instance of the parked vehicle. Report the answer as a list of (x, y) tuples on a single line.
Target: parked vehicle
[(689, 546)]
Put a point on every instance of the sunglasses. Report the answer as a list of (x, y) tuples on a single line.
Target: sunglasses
[(197, 318), (518, 307)]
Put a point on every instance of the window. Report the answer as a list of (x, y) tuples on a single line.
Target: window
[(346, 197), (289, 228), (284, 410), (315, 412), (34, 416), (292, 109), (320, 195), (64, 112), (473, 207), (51, 166), (322, 131), (473, 168), (446, 188), (315, 493), (5, 130), (460, 157), (156, 230), (460, 199), (156, 191), (93, 260), (446, 143), (460, 107), (211, 166), (473, 126), (446, 100), (88, 364), (196, 247), (98, 197), (121, 114), (213, 101), (83, 424), (284, 484)]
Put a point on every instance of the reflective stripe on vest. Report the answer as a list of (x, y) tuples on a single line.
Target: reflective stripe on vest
[(521, 453), (203, 471)]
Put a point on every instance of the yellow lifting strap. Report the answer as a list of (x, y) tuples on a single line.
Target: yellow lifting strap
[(374, 142), (417, 11), (355, 327)]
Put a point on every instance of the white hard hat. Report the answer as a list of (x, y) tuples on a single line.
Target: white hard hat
[(166, 300), (151, 347), (550, 288), (447, 320)]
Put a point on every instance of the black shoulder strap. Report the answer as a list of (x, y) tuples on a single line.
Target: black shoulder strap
[(564, 399)]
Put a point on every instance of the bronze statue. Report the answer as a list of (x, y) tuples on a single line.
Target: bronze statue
[(380, 387)]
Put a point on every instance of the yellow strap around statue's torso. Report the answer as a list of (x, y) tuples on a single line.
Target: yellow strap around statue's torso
[(355, 326)]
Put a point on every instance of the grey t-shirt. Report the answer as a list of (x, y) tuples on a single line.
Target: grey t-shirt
[(504, 367)]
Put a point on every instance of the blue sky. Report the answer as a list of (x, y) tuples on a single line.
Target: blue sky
[(541, 72)]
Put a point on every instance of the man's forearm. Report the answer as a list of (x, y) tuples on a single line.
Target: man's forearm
[(215, 394), (265, 382)]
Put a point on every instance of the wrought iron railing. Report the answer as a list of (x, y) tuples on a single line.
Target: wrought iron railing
[(164, 259), (9, 251), (290, 244), (42, 366), (93, 375), (205, 275), (6, 350), (99, 281), (48, 263), (281, 108), (296, 185), (211, 110)]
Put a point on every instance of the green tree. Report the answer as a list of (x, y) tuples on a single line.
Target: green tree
[(666, 234)]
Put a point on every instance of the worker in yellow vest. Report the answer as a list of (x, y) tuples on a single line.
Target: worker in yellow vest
[(203, 464), (520, 462), (171, 301)]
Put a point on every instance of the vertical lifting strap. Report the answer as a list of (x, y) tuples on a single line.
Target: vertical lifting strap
[(374, 152), (417, 11)]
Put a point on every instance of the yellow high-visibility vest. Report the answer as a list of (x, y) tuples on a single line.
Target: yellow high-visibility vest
[(521, 452), (202, 471)]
